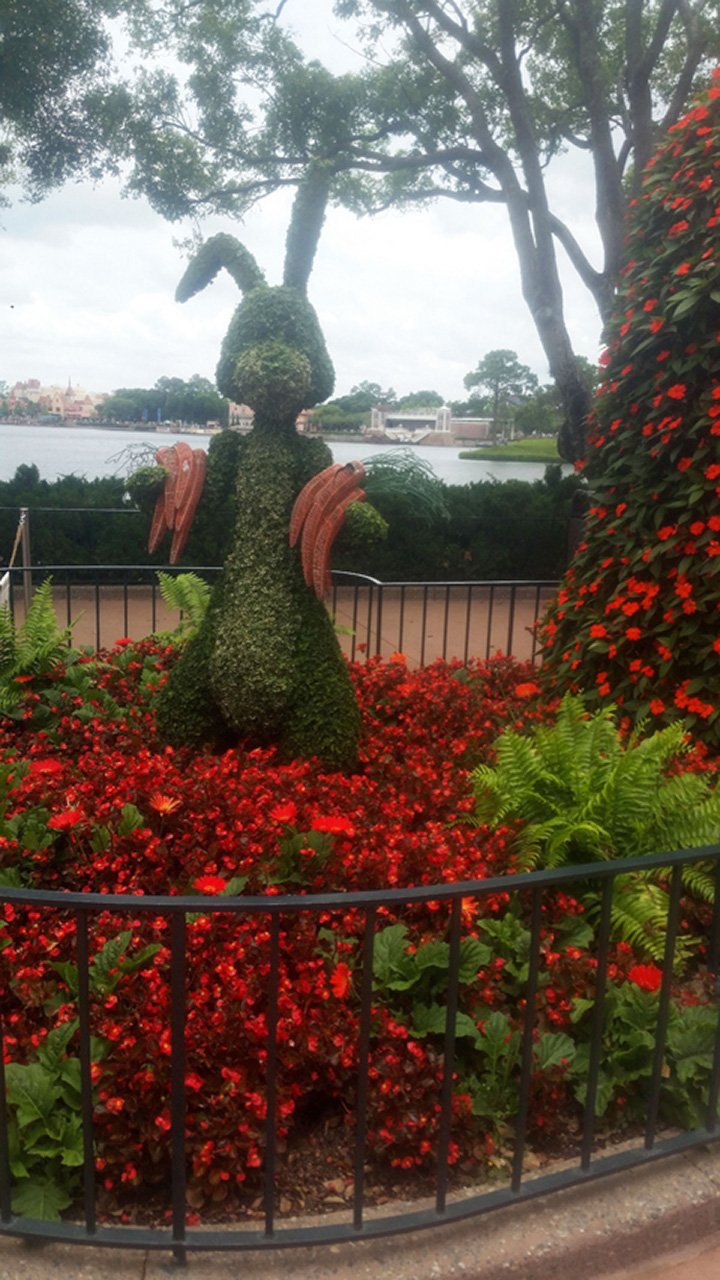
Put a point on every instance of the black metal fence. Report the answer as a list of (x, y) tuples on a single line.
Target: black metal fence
[(181, 1238), (424, 620)]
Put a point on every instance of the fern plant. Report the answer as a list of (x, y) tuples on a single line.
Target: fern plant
[(585, 794), (37, 648), (189, 595)]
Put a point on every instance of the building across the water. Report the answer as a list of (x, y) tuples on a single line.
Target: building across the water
[(56, 402), (434, 425)]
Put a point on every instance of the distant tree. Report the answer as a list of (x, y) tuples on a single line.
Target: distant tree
[(170, 399), (27, 475), (364, 397), (501, 374), (474, 407), (422, 400), (332, 417), (535, 418), (193, 401), (121, 408)]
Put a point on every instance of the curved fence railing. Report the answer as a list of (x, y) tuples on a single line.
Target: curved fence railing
[(423, 620), (531, 889)]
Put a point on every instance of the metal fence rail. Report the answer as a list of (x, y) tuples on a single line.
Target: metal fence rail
[(424, 620), (181, 1239)]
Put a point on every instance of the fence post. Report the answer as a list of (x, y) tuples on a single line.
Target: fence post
[(26, 557)]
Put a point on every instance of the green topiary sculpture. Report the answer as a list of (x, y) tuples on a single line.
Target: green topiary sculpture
[(637, 620), (264, 664)]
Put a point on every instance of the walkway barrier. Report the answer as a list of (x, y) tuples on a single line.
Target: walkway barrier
[(80, 913), (423, 620)]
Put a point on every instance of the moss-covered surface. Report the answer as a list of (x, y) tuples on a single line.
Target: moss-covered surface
[(275, 315), (211, 535), (364, 529), (186, 714), (265, 665)]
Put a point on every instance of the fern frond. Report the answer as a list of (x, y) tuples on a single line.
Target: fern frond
[(189, 595), (585, 794), (699, 879), (8, 645)]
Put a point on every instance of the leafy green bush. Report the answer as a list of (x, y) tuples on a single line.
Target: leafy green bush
[(586, 794), (628, 1051)]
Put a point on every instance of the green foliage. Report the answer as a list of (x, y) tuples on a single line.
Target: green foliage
[(364, 529), (584, 794), (302, 856), (44, 1095), (26, 831), (362, 398), (413, 983), (401, 473), (478, 531), (37, 648), (265, 663), (628, 1046), (53, 58), (145, 486), (635, 621), (190, 595), (501, 374), (218, 252), (422, 400), (41, 677), (284, 318), (111, 964), (330, 418), (543, 450), (86, 536), (170, 400), (435, 531)]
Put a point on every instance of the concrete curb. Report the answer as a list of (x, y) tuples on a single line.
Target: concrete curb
[(584, 1233)]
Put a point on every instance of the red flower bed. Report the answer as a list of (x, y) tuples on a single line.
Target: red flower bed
[(95, 803)]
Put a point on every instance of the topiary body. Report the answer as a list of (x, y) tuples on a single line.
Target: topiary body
[(265, 664), (637, 620)]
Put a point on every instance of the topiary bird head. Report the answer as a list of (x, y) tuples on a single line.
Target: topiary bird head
[(273, 357)]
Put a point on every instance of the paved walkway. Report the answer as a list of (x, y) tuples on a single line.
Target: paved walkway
[(700, 1261), (658, 1223)]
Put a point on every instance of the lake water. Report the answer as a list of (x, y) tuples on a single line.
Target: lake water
[(93, 452)]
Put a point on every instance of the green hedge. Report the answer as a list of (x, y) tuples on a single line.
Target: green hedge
[(493, 530)]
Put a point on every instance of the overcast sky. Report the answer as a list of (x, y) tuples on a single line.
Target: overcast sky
[(413, 300)]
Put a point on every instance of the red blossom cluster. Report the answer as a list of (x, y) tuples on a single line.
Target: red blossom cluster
[(126, 815), (119, 813), (651, 552)]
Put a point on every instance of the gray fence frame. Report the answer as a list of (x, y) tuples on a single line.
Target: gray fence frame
[(181, 1240), (367, 610)]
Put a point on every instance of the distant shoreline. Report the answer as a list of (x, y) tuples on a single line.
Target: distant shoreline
[(543, 450)]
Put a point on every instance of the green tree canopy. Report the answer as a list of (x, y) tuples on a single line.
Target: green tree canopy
[(54, 67), (502, 376), (171, 399), (421, 400)]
